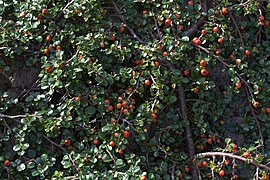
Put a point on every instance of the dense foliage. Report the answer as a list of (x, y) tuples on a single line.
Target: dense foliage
[(136, 89)]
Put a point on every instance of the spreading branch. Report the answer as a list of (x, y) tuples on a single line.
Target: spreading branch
[(233, 156), (247, 87)]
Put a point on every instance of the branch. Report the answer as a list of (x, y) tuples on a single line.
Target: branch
[(68, 4), (24, 116), (124, 21), (247, 87), (200, 22), (182, 102), (240, 158), (57, 145), (227, 65), (17, 116), (238, 30)]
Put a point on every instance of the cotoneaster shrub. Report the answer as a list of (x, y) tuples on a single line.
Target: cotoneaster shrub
[(136, 89)]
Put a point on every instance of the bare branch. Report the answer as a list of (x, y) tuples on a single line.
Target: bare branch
[(233, 156)]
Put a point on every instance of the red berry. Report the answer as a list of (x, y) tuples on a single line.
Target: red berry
[(122, 29), (125, 111), (121, 151), (246, 154), (238, 85), (154, 116), (204, 72), (67, 142), (143, 178), (164, 53), (202, 135), (215, 29), (187, 169), (186, 72), (7, 163), (205, 163), (220, 40), (58, 47), (48, 69), (119, 99), (48, 38), (247, 52), (203, 63), (267, 110), (168, 22), (110, 108), (209, 140), (261, 18), (147, 82), (44, 11), (221, 173), (23, 14), (204, 32), (125, 104), (218, 52), (238, 61), (196, 90), (201, 147), (156, 63), (126, 134), (181, 27), (112, 143), (224, 11), (191, 3), (119, 106), (77, 98)]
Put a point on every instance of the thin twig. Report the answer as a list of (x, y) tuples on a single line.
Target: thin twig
[(124, 21), (57, 145), (68, 4), (238, 30), (158, 31), (111, 156)]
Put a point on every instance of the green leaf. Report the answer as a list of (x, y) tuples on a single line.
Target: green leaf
[(25, 146), (106, 128), (119, 162), (20, 167), (133, 82), (30, 165), (66, 164), (16, 148), (173, 99), (90, 110), (185, 38), (32, 153), (107, 158), (44, 157), (35, 173)]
